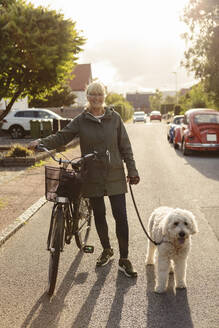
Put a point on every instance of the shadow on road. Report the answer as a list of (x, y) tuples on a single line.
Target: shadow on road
[(122, 287), (169, 309), (50, 309), (84, 316), (204, 162)]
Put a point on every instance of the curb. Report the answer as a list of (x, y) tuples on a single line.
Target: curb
[(21, 220)]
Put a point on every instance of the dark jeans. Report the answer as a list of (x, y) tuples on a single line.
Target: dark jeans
[(118, 205)]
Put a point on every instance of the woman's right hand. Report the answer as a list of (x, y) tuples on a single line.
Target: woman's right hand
[(133, 180), (33, 144)]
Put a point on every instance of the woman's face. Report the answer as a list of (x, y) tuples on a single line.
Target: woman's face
[(95, 99)]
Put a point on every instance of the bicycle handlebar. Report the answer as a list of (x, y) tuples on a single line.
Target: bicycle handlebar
[(76, 164)]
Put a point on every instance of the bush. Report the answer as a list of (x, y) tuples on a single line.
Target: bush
[(124, 109), (19, 151), (120, 105)]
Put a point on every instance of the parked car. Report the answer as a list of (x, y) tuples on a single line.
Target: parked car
[(139, 117), (177, 120), (17, 122), (155, 115), (199, 131)]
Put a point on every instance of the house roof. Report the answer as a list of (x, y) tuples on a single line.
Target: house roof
[(83, 77)]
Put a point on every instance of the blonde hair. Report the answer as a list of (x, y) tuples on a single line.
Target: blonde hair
[(96, 88)]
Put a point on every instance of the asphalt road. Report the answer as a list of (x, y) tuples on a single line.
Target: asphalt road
[(88, 297)]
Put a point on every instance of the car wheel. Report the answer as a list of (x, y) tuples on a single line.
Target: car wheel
[(185, 151), (16, 132), (169, 139), (175, 145)]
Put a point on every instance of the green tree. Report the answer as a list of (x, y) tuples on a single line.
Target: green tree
[(169, 100), (112, 98), (156, 100), (6, 3), (59, 97), (202, 55), (121, 105), (38, 50), (196, 98)]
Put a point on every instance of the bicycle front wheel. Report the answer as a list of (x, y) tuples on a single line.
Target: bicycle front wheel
[(84, 214), (55, 247)]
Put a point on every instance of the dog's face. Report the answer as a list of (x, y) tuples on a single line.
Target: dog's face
[(179, 224)]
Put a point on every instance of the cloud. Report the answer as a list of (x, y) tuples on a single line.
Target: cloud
[(131, 45), (138, 65)]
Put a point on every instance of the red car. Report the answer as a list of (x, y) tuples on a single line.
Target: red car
[(199, 131), (155, 115)]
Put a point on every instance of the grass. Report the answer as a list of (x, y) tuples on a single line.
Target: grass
[(38, 164), (18, 150), (41, 163)]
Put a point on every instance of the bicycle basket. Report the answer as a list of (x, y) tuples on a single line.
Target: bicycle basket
[(61, 182)]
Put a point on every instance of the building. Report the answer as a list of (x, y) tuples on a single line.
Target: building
[(140, 100), (82, 77)]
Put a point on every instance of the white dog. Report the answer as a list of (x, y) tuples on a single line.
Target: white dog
[(173, 228)]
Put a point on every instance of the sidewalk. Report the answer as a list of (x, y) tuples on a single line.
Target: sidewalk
[(22, 193)]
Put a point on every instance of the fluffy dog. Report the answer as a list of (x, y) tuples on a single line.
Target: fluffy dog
[(173, 228)]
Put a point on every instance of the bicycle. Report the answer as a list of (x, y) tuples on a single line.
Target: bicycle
[(71, 213)]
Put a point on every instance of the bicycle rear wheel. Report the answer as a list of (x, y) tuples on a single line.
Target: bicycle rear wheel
[(55, 247), (83, 221)]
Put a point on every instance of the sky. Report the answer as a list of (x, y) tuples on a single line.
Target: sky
[(133, 46)]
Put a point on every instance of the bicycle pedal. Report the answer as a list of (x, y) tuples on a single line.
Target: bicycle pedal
[(68, 241), (88, 249)]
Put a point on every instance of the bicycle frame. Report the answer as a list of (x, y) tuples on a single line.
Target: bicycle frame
[(70, 231)]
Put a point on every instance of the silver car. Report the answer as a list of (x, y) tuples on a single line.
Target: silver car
[(139, 117)]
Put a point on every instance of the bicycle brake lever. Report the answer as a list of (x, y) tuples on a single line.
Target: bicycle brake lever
[(40, 147)]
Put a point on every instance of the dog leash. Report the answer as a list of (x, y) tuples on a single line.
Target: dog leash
[(145, 231)]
